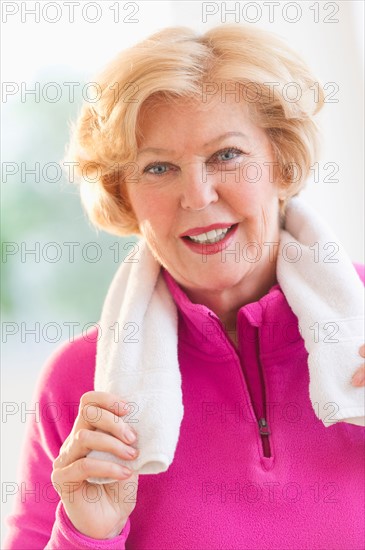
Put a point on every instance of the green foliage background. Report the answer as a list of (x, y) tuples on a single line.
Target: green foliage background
[(48, 212)]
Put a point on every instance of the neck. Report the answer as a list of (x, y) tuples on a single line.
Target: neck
[(227, 302)]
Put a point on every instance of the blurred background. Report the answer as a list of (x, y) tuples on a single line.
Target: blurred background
[(56, 268)]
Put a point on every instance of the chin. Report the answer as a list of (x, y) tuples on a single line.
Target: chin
[(217, 281)]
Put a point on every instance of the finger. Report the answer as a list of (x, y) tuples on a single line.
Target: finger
[(67, 480), (96, 418), (86, 440), (358, 378), (104, 411), (362, 350), (105, 400)]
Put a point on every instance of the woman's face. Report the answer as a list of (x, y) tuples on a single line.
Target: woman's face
[(204, 165)]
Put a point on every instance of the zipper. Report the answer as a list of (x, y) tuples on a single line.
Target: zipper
[(264, 432), (263, 425), (262, 422)]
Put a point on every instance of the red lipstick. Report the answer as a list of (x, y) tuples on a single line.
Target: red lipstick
[(197, 230), (210, 248)]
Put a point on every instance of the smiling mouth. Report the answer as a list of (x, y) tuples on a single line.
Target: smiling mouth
[(210, 237)]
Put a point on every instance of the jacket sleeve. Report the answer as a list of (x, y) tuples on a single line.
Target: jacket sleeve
[(65, 536), (39, 520)]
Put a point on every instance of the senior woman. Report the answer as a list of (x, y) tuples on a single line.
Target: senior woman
[(168, 149)]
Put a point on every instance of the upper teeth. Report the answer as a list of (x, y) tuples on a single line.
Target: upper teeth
[(211, 236)]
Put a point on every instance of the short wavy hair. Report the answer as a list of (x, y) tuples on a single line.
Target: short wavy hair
[(179, 63)]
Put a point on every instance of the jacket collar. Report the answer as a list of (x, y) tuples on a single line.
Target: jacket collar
[(254, 310), (271, 315)]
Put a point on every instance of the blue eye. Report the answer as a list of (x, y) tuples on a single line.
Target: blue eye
[(228, 154), (156, 169)]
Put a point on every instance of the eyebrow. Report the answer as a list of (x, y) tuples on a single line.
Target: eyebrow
[(155, 150), (227, 134), (158, 151)]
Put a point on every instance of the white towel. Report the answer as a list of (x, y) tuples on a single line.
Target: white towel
[(326, 294), (141, 363), (143, 368)]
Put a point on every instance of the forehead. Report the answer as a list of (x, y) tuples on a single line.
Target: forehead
[(193, 118)]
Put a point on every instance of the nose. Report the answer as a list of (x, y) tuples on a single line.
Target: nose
[(197, 191)]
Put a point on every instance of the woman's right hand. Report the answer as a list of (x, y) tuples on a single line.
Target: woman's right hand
[(97, 511)]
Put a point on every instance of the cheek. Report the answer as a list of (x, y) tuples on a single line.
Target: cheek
[(252, 195), (246, 197), (257, 181), (154, 211)]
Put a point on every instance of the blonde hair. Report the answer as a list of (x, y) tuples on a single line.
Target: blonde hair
[(179, 63)]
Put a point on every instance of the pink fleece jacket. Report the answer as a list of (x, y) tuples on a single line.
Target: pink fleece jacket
[(236, 482)]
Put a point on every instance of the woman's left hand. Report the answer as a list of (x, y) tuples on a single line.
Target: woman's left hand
[(358, 378)]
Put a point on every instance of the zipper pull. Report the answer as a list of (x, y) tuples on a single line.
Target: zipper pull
[(264, 428)]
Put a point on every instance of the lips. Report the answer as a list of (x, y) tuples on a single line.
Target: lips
[(207, 249), (198, 230)]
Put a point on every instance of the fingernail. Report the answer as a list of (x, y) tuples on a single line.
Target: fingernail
[(130, 435), (132, 452), (358, 379)]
